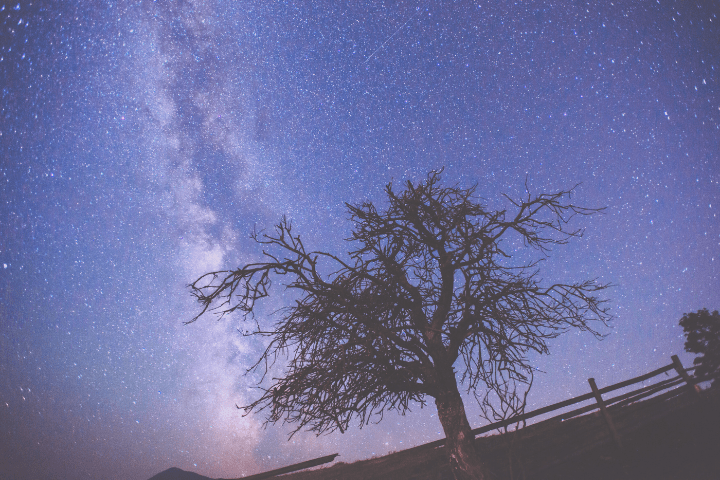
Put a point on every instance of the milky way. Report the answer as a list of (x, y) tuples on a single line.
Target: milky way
[(141, 142)]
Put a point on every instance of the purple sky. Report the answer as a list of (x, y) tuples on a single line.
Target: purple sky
[(141, 141)]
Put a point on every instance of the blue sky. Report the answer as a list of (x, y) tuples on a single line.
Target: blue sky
[(141, 142)]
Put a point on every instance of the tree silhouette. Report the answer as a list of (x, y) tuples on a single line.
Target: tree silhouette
[(702, 330), (429, 285)]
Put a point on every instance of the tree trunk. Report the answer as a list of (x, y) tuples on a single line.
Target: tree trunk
[(460, 442)]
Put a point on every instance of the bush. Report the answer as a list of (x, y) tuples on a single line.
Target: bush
[(702, 330)]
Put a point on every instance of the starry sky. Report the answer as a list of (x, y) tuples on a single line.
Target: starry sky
[(141, 142)]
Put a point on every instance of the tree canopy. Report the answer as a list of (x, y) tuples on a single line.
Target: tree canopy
[(427, 285), (702, 330)]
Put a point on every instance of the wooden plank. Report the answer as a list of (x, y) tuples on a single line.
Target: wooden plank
[(606, 414), (554, 406), (623, 399), (636, 379), (683, 373), (637, 395), (534, 413), (567, 403), (291, 468)]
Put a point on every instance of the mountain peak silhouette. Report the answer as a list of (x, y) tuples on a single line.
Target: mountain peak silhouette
[(174, 473)]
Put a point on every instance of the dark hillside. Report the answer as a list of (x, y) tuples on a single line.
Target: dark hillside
[(663, 439), (676, 438), (175, 473)]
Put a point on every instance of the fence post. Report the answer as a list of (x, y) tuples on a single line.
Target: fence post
[(605, 412), (685, 376)]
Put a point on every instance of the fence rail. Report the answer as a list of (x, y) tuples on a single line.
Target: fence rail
[(596, 393), (626, 398), (292, 468)]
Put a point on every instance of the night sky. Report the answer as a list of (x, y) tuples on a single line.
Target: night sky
[(141, 142)]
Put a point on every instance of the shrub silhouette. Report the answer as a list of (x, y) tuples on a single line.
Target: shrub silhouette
[(702, 330)]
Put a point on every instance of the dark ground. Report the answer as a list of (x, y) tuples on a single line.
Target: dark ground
[(675, 438), (682, 445), (663, 439)]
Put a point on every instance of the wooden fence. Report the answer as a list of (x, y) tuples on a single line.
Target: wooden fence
[(292, 468), (667, 386)]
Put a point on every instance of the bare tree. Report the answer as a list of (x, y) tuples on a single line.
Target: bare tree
[(429, 285)]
